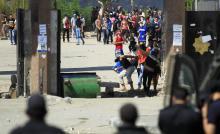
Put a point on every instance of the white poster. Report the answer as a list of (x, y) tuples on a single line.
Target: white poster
[(42, 43), (177, 28), (177, 38), (43, 29), (206, 38)]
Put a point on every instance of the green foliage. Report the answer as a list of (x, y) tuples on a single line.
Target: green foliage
[(189, 4), (67, 7), (86, 12), (10, 6)]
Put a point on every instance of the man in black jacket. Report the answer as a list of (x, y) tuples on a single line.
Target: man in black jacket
[(36, 111), (211, 109), (129, 115), (180, 118)]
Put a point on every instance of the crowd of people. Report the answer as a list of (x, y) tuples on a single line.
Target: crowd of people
[(142, 31), (9, 29), (77, 25)]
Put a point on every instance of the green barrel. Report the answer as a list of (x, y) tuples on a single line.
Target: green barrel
[(80, 85)]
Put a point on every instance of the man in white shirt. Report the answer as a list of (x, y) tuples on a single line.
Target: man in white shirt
[(73, 24)]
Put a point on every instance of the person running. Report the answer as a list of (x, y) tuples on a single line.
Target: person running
[(79, 30), (66, 27), (118, 41)]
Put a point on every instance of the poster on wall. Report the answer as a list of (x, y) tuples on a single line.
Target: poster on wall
[(177, 35), (42, 43)]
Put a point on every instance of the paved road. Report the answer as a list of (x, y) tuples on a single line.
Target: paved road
[(84, 115)]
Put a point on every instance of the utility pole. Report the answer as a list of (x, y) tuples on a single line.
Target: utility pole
[(40, 17), (38, 49), (174, 13)]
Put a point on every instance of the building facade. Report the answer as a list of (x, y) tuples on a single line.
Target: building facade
[(208, 5)]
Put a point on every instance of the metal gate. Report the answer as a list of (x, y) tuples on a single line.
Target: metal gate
[(202, 38)]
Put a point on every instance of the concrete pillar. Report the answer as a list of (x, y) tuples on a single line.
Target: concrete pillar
[(174, 13), (40, 14)]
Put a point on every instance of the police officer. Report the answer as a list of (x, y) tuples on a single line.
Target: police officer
[(180, 118), (211, 110), (129, 115), (36, 111)]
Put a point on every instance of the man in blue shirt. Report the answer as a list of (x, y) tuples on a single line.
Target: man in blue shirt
[(142, 33), (118, 66)]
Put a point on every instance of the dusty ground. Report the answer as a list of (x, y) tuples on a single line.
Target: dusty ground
[(78, 115)]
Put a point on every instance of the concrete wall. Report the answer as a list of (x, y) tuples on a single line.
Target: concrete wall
[(209, 5)]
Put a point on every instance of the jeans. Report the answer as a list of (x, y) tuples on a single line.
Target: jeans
[(140, 76), (109, 35), (118, 52), (14, 36), (105, 32), (128, 72), (10, 35), (78, 36), (73, 32)]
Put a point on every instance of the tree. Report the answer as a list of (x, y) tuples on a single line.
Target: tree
[(68, 7), (10, 6), (189, 4)]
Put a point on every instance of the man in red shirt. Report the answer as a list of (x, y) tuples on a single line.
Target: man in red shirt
[(118, 41), (66, 27), (141, 53)]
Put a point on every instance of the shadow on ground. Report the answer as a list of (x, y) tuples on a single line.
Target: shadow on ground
[(111, 93)]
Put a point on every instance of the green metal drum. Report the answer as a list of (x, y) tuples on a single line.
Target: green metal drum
[(80, 85)]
